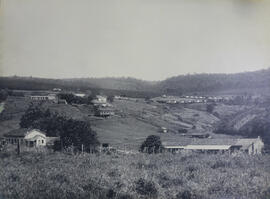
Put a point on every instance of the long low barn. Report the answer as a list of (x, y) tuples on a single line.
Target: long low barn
[(249, 145)]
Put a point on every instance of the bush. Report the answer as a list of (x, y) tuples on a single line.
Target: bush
[(152, 144), (182, 130), (186, 195), (146, 188), (216, 114), (210, 108)]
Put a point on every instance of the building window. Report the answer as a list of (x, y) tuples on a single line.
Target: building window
[(42, 141)]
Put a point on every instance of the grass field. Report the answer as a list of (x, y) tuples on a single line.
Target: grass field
[(134, 120), (180, 176)]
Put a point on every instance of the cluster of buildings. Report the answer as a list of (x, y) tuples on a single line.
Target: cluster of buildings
[(178, 100), (251, 146), (188, 99), (49, 97), (102, 107)]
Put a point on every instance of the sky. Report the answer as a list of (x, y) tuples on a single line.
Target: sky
[(145, 39)]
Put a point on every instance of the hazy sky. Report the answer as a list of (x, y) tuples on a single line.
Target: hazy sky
[(147, 39)]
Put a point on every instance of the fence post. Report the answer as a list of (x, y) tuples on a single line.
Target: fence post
[(18, 148)]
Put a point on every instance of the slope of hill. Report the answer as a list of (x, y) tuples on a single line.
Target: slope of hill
[(258, 81), (246, 81), (31, 83), (116, 83)]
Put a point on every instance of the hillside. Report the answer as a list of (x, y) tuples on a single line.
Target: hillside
[(134, 120), (258, 81), (246, 82)]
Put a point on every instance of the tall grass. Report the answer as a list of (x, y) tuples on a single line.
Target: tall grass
[(185, 176)]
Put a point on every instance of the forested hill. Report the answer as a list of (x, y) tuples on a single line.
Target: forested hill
[(116, 83), (31, 83), (247, 81)]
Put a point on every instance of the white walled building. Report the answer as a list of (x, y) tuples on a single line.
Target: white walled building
[(30, 138)]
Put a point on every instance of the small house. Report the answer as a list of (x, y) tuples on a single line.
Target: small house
[(80, 94), (62, 101), (30, 138), (100, 100), (164, 129), (57, 89)]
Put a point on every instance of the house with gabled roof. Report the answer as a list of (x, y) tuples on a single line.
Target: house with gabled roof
[(28, 137), (251, 146)]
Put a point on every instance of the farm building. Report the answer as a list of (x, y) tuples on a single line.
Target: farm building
[(57, 89), (120, 97), (30, 138), (163, 129), (251, 146), (99, 100), (80, 94), (62, 101), (199, 135), (104, 111), (49, 97)]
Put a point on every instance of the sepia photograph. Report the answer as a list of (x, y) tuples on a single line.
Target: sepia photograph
[(134, 99)]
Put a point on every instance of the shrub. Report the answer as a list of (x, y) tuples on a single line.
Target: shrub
[(210, 108), (184, 195), (152, 144), (182, 130), (220, 164), (146, 188), (111, 193), (216, 114), (265, 194)]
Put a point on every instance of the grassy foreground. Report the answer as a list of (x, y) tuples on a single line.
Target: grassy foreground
[(179, 176)]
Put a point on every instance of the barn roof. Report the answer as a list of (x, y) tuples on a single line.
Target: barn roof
[(20, 132), (208, 147), (208, 142), (181, 142), (245, 143), (17, 133)]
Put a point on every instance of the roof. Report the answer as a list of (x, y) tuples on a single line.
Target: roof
[(181, 142), (189, 143), (245, 143), (209, 141), (39, 95), (20, 132), (16, 133), (208, 147), (105, 108), (35, 137)]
